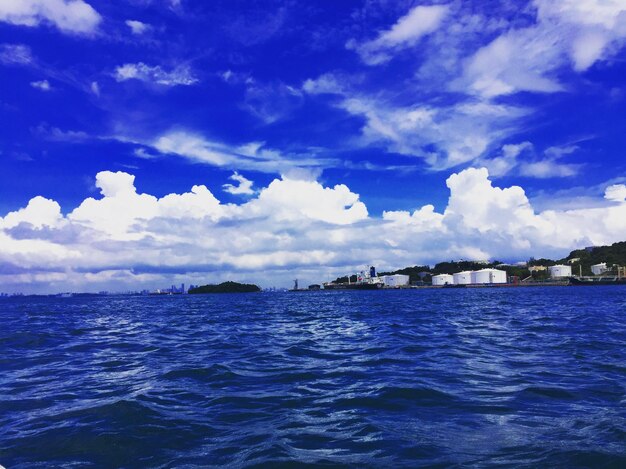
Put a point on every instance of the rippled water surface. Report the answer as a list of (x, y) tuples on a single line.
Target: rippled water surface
[(473, 377)]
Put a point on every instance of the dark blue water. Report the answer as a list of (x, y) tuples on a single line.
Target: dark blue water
[(476, 377)]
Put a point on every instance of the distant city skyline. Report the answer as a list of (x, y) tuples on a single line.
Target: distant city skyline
[(156, 142)]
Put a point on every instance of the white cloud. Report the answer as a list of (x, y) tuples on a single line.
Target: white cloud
[(40, 212), (324, 84), (590, 26), (15, 54), (243, 187), (126, 239), (292, 199), (616, 193), (507, 160), (447, 136), (406, 32), (515, 61), (69, 16), (155, 74), (448, 113), (443, 136), (95, 88), (254, 155), (118, 215), (271, 102), (520, 159), (137, 27), (548, 169), (42, 85), (580, 32)]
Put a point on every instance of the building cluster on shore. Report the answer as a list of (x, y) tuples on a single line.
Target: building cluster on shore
[(536, 274), (496, 276)]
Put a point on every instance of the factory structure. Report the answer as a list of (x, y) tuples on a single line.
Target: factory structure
[(395, 280), (560, 271), (389, 281), (599, 269)]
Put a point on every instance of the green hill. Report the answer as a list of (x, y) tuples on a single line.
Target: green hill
[(225, 287), (615, 254)]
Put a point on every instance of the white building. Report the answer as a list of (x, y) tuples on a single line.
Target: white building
[(462, 278), (443, 279), (558, 271), (396, 280), (488, 276), (599, 269)]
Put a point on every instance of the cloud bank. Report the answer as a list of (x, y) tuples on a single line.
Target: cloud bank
[(69, 16), (126, 239)]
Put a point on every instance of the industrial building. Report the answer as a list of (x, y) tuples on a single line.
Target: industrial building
[(560, 271), (599, 269), (488, 276), (443, 279), (396, 280)]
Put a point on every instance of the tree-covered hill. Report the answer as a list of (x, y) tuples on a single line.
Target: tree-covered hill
[(615, 254)]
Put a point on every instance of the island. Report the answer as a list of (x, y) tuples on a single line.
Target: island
[(225, 287)]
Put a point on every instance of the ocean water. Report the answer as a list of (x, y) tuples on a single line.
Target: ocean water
[(526, 377)]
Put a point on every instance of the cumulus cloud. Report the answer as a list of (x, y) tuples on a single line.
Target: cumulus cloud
[(407, 31), (155, 74), (42, 85), (39, 213), (128, 239), (243, 187), (616, 193), (292, 199), (69, 16)]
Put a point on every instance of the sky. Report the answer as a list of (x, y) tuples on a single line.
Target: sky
[(146, 143)]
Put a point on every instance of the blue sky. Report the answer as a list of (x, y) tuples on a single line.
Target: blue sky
[(368, 110)]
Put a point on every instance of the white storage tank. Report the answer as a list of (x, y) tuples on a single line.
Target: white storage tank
[(599, 269), (396, 280), (558, 271), (443, 279), (488, 276), (462, 278)]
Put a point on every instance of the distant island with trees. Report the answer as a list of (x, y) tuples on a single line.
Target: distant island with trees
[(225, 287)]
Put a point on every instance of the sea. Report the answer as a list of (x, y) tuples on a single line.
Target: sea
[(474, 377)]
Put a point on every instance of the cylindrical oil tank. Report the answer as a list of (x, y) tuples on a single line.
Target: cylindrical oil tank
[(488, 276), (462, 278), (396, 280), (558, 271), (443, 279)]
